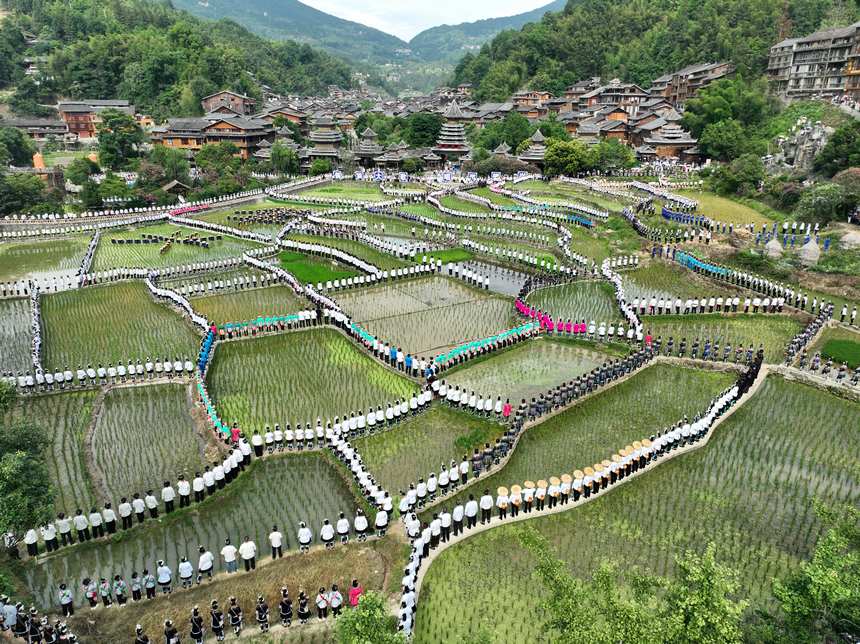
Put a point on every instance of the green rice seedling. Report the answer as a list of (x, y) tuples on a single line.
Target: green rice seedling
[(65, 418), (37, 259), (282, 491), (432, 331), (840, 345), (750, 491), (592, 300), (15, 335), (384, 224), (178, 281), (662, 279), (311, 269), (109, 324), (248, 304), (528, 369), (381, 260), (400, 297), (497, 199), (158, 254), (297, 377), (773, 331), (143, 436), (357, 190), (443, 434), (463, 205), (592, 430)]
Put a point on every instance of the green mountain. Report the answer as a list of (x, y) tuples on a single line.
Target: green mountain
[(638, 40), (161, 59), (449, 42), (290, 19)]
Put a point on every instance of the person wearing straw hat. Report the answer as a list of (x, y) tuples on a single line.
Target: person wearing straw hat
[(554, 491), (540, 494), (528, 496), (515, 499), (564, 488), (502, 502), (587, 482)]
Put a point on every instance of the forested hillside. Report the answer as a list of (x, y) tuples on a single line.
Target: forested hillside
[(638, 40), (161, 59), (290, 19), (449, 42)]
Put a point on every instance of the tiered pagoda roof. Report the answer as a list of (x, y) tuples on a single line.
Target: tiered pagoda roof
[(368, 148), (452, 143), (503, 149), (536, 151), (325, 138)]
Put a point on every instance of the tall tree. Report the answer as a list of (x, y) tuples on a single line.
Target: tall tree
[(119, 138), (284, 159), (369, 623)]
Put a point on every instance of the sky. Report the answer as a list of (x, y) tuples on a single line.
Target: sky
[(407, 18)]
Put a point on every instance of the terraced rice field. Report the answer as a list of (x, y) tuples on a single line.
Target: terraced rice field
[(281, 490), (359, 190), (297, 377), (839, 344), (597, 427), (223, 274), (443, 433), (498, 199), (381, 260), (248, 304), (773, 331), (560, 192), (750, 491), (431, 331), (37, 259), (463, 205), (594, 300), (65, 418), (15, 335), (144, 436), (401, 297), (426, 210), (223, 217), (131, 326), (383, 225), (528, 369), (662, 279), (311, 269), (109, 255)]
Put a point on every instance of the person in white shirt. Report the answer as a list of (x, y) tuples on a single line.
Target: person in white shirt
[(31, 540), (381, 522), (486, 505), (335, 601), (342, 527), (228, 552), (327, 534), (64, 527), (305, 537), (435, 531), (168, 494), (248, 552), (96, 523), (49, 536), (164, 576), (184, 489), (205, 563), (109, 518), (186, 572), (197, 486), (276, 539), (125, 510), (360, 525), (457, 515), (471, 512)]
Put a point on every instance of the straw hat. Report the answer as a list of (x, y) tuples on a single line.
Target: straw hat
[(616, 458), (528, 484), (502, 491), (516, 489), (637, 445), (541, 483), (646, 443), (606, 463), (554, 480), (588, 471), (578, 474), (628, 449), (566, 478)]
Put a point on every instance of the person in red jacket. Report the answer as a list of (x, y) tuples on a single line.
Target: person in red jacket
[(355, 592)]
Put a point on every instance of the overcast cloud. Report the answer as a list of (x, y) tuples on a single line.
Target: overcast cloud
[(406, 18)]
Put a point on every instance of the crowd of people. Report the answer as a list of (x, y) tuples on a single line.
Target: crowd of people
[(28, 625), (531, 498)]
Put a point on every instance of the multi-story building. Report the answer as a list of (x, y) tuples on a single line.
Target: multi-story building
[(227, 102), (193, 133), (615, 93), (683, 84), (83, 117), (816, 65)]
